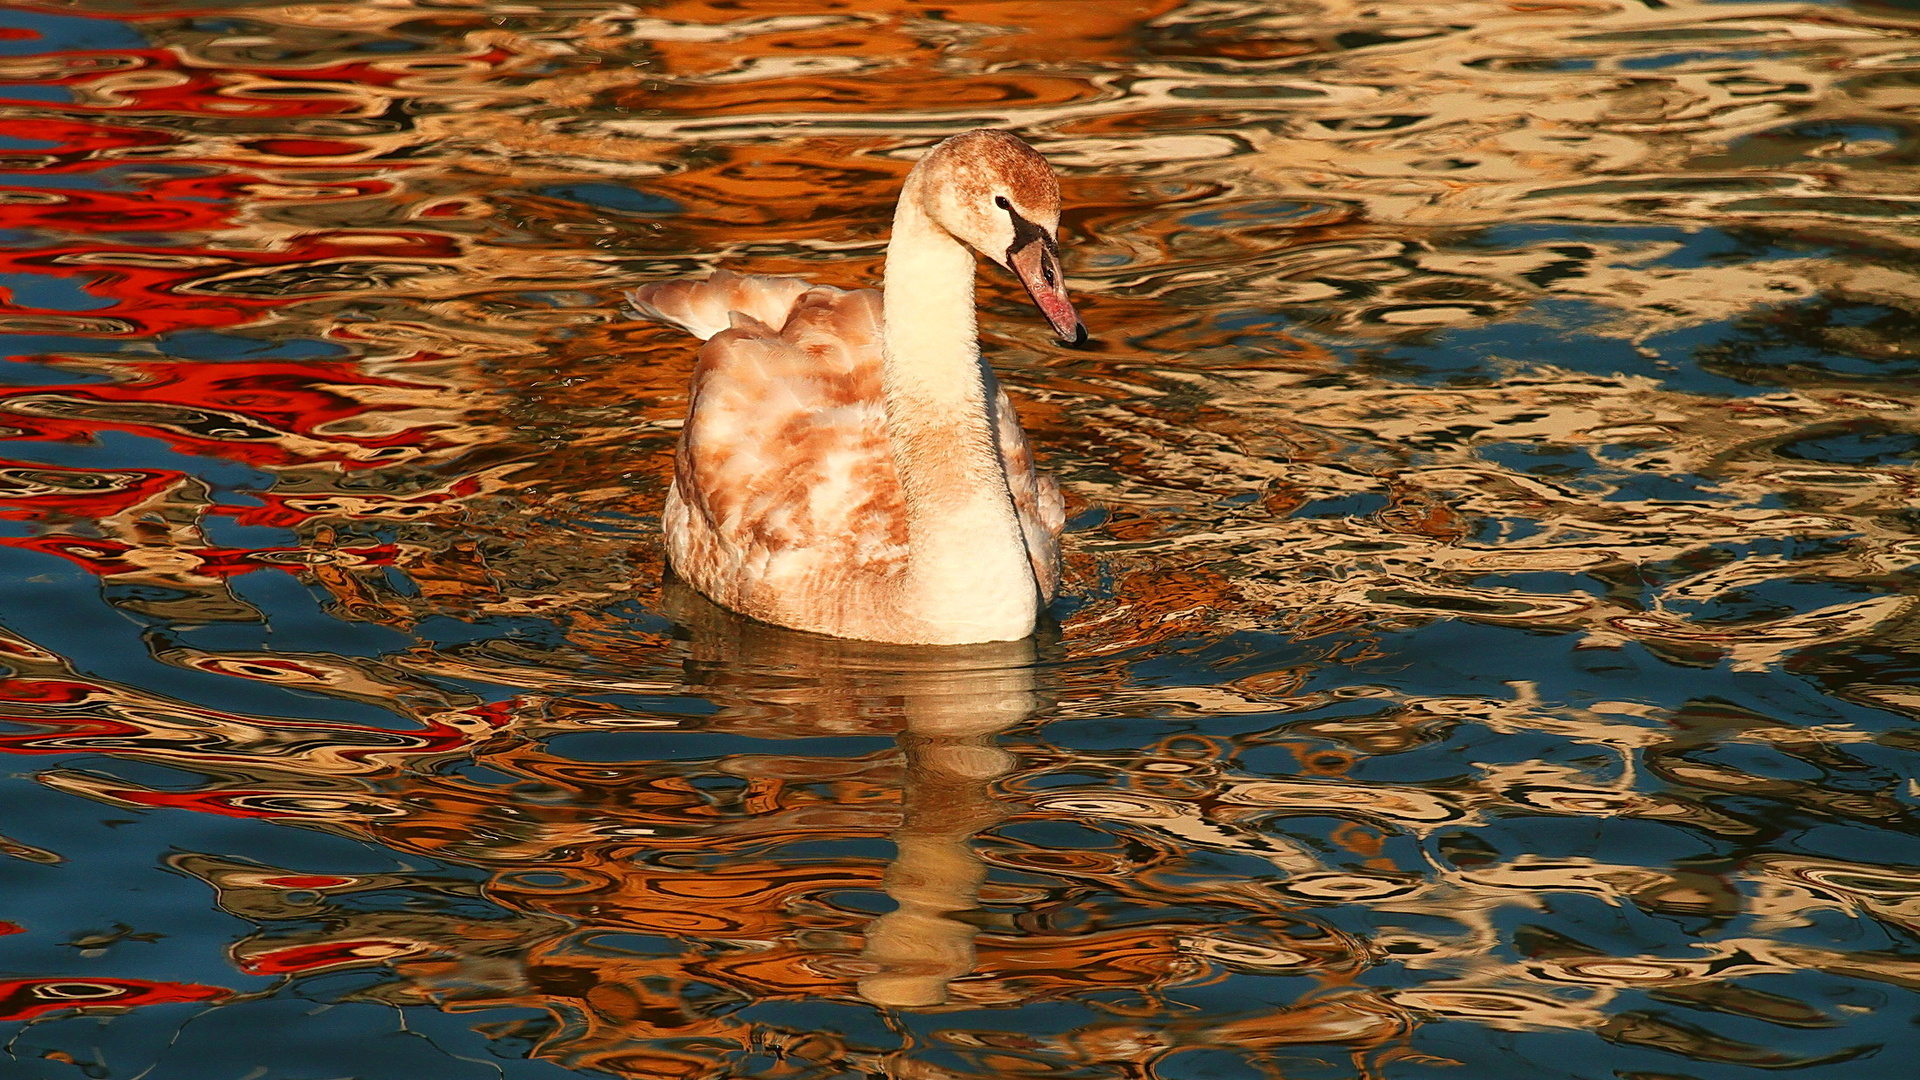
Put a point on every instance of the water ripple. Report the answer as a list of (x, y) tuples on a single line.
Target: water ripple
[(1488, 630)]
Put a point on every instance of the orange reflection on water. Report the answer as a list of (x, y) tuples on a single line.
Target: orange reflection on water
[(1278, 214)]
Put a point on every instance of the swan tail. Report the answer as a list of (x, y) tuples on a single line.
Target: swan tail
[(704, 308)]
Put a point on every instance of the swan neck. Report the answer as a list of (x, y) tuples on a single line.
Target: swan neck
[(967, 568), (932, 342)]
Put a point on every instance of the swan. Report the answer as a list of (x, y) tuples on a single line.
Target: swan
[(849, 465)]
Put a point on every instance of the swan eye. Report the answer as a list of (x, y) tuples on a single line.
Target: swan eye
[(1001, 202)]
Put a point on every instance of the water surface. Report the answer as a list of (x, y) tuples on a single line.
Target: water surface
[(1488, 647)]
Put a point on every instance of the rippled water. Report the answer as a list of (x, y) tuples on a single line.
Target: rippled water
[(1488, 646)]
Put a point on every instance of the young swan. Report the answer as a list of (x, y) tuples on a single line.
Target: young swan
[(849, 465)]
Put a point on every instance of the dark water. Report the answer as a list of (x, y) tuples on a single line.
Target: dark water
[(1489, 647)]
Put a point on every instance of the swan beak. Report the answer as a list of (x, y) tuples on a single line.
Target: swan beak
[(1037, 264)]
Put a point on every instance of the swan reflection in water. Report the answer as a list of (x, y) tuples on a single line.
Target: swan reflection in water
[(948, 703)]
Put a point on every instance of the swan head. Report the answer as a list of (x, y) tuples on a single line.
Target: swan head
[(991, 191)]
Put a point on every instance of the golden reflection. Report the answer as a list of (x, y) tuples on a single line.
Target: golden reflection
[(946, 704), (1584, 327), (578, 851)]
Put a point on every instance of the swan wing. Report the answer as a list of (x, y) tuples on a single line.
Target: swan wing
[(1036, 498), (705, 308)]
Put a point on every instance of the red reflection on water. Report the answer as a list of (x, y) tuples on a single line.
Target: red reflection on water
[(240, 411), (106, 558), (25, 999), (305, 881), (29, 490), (106, 211), (77, 146), (307, 959), (158, 290)]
